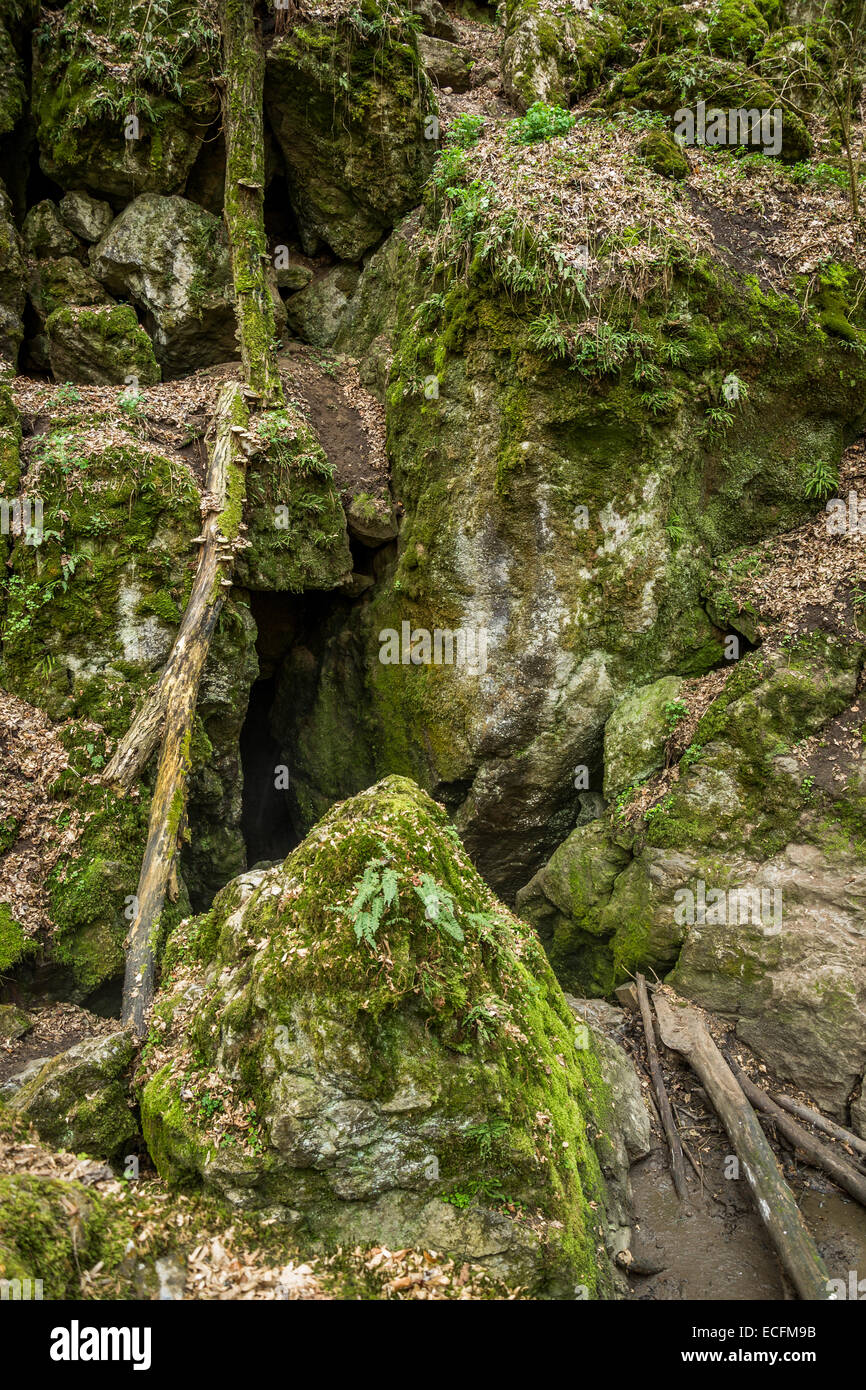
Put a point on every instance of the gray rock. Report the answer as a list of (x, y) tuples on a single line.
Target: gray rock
[(447, 65), (87, 217), (317, 313), (371, 519), (171, 258), (100, 344), (434, 19), (14, 1022)]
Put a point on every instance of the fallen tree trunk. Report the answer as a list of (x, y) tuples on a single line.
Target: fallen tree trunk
[(678, 1166), (821, 1155), (170, 709), (683, 1030), (181, 682), (813, 1117)]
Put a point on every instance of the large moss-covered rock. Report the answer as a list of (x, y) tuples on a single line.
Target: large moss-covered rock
[(101, 344), (354, 146), (80, 1100), (552, 511), (367, 1040), (122, 104), (747, 875), (636, 734), (668, 83), (171, 258), (555, 54)]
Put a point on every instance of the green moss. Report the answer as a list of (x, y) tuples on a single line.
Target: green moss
[(15, 946)]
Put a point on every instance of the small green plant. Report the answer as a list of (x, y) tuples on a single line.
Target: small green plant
[(820, 480), (675, 529), (209, 1106), (674, 710), (464, 131), (68, 394), (541, 122), (378, 891), (806, 787), (486, 1135)]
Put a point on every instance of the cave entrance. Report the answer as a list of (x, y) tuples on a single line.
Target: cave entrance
[(266, 818)]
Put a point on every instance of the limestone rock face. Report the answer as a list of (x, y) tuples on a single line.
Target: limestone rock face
[(171, 258), (355, 152), (13, 282), (79, 1100), (553, 56), (636, 733), (385, 1051), (100, 344)]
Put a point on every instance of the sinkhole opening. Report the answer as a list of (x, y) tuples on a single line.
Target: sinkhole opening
[(267, 823)]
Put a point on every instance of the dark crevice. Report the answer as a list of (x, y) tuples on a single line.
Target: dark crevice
[(266, 819)]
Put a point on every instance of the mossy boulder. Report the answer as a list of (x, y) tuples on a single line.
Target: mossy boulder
[(101, 344), (80, 1099), (298, 537), (57, 284), (46, 235), (171, 258), (636, 734), (51, 1230), (556, 55), (365, 1039), (660, 151), (659, 84), (116, 116), (14, 1023), (355, 149)]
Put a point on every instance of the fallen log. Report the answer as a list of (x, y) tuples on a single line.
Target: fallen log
[(817, 1153), (814, 1117), (683, 1030), (181, 682), (678, 1166)]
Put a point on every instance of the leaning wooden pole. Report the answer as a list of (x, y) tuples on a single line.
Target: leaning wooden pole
[(684, 1030), (678, 1166), (169, 712)]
